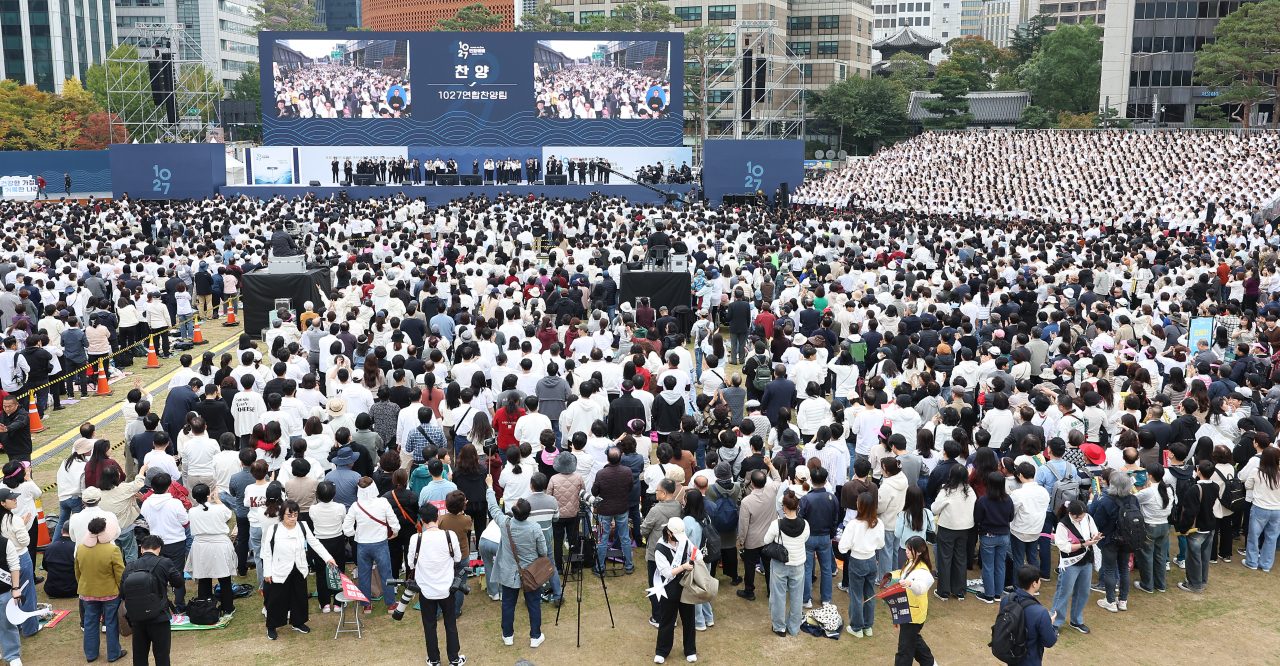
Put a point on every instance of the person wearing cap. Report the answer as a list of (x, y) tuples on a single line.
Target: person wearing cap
[(674, 558), (78, 524)]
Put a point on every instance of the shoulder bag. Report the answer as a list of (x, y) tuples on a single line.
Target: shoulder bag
[(699, 585), (774, 550), (537, 573)]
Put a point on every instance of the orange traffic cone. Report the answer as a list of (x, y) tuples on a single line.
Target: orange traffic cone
[(33, 416), (103, 387), (153, 361), (196, 337), (42, 529), (231, 315)]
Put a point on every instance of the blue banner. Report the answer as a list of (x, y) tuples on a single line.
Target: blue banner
[(750, 165)]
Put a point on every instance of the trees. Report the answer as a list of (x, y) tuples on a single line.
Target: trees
[(1244, 61), (249, 85), (545, 18), (973, 59), (703, 46), (865, 110), (474, 17), (909, 70), (299, 15), (1068, 120), (638, 16), (131, 99), (1065, 73), (1027, 39), (1210, 115), (35, 120), (950, 104), (1034, 117)]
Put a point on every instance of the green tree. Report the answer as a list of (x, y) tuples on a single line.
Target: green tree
[(1110, 118), (638, 16), (1244, 61), (545, 18), (864, 110), (909, 70), (474, 17), (1065, 74), (1027, 39), (705, 52), (35, 120), (973, 59), (1068, 120), (950, 105), (296, 15), (1210, 115), (249, 85), (1034, 117)]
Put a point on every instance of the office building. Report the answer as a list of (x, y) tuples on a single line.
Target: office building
[(338, 15), (1148, 57), (1068, 13), (47, 42), (223, 29), (397, 15)]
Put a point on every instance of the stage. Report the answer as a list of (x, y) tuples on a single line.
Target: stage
[(437, 195)]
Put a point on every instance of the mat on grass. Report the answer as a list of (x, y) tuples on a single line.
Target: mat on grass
[(53, 621), (183, 623)]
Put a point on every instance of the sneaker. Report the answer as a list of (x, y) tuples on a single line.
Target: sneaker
[(985, 599), (1104, 605), (1246, 565), (302, 628), (737, 580), (749, 596), (1187, 588), (326, 608), (508, 640), (691, 658), (1122, 605), (857, 633), (495, 597), (1181, 563), (535, 642), (123, 654), (779, 634), (867, 632), (711, 623), (1166, 565), (941, 597), (808, 604), (368, 610), (1242, 552), (699, 627), (272, 635), (842, 587), (1213, 561), (1138, 585), (1082, 628), (653, 622), (658, 660), (1097, 587), (1226, 560), (460, 661), (264, 611)]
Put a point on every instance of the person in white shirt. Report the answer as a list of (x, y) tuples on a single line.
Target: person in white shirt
[(247, 408), (433, 556), (71, 480), (284, 570), (197, 456), (167, 518), (579, 416), (78, 526), (1030, 502), (529, 427), (213, 556), (159, 459), (372, 521), (348, 387), (327, 517)]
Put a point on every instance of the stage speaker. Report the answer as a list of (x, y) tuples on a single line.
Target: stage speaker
[(786, 195), (314, 183), (447, 179), (161, 76), (557, 179), (513, 181), (679, 262), (471, 179)]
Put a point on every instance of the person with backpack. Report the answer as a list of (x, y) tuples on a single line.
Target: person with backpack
[(1075, 538), (722, 506), (143, 590), (1118, 515), (1058, 478), (433, 556), (1024, 628), (1231, 492), (758, 370), (1197, 521), (99, 567)]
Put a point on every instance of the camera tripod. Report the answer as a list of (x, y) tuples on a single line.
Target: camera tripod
[(581, 558)]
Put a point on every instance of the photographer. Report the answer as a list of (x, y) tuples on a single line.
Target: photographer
[(433, 556)]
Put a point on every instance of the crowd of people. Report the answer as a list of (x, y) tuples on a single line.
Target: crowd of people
[(331, 90), (882, 378), (600, 92)]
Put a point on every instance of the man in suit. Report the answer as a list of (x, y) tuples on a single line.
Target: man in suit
[(334, 168), (1012, 445), (739, 327), (781, 392)]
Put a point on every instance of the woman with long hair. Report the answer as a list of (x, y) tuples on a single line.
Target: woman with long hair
[(915, 520), (953, 508), (917, 578), (212, 555), (1156, 500), (71, 482), (992, 514), (863, 537), (100, 460), (698, 528), (468, 475), (1264, 517)]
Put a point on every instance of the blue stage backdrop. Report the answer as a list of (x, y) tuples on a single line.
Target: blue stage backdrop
[(90, 169), (168, 170), (744, 166), (471, 89)]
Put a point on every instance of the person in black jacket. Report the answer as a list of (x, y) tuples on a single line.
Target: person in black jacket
[(15, 430), (215, 412), (40, 362), (1197, 522), (739, 326), (153, 636)]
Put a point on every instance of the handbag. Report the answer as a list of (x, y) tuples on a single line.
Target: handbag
[(775, 550), (122, 621), (700, 587), (203, 612), (537, 573)]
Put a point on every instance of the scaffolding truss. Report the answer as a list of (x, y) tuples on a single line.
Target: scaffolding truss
[(769, 99), (167, 93)]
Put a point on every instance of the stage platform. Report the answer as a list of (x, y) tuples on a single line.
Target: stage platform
[(441, 194)]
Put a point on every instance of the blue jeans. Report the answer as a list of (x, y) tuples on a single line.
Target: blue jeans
[(862, 593), (28, 571), (107, 611), (367, 555), (459, 441), (887, 557), (10, 639), (607, 523), (489, 555), (703, 615), (255, 544), (821, 547), (1199, 550), (698, 355), (1152, 557), (785, 590), (702, 453), (187, 326), (555, 428), (1114, 562), (1022, 551), (994, 548), (1073, 587), (67, 508), (532, 601), (128, 543), (1264, 526)]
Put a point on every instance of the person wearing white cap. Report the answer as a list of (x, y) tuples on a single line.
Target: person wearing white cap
[(78, 526), (674, 559), (71, 480)]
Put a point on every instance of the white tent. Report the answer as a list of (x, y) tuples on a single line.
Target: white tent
[(235, 171)]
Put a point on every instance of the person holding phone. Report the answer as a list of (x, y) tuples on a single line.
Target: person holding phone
[(1075, 538)]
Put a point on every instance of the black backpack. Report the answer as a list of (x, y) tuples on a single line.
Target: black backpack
[(1232, 492), (710, 541), (1009, 633), (144, 595), (1131, 530)]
